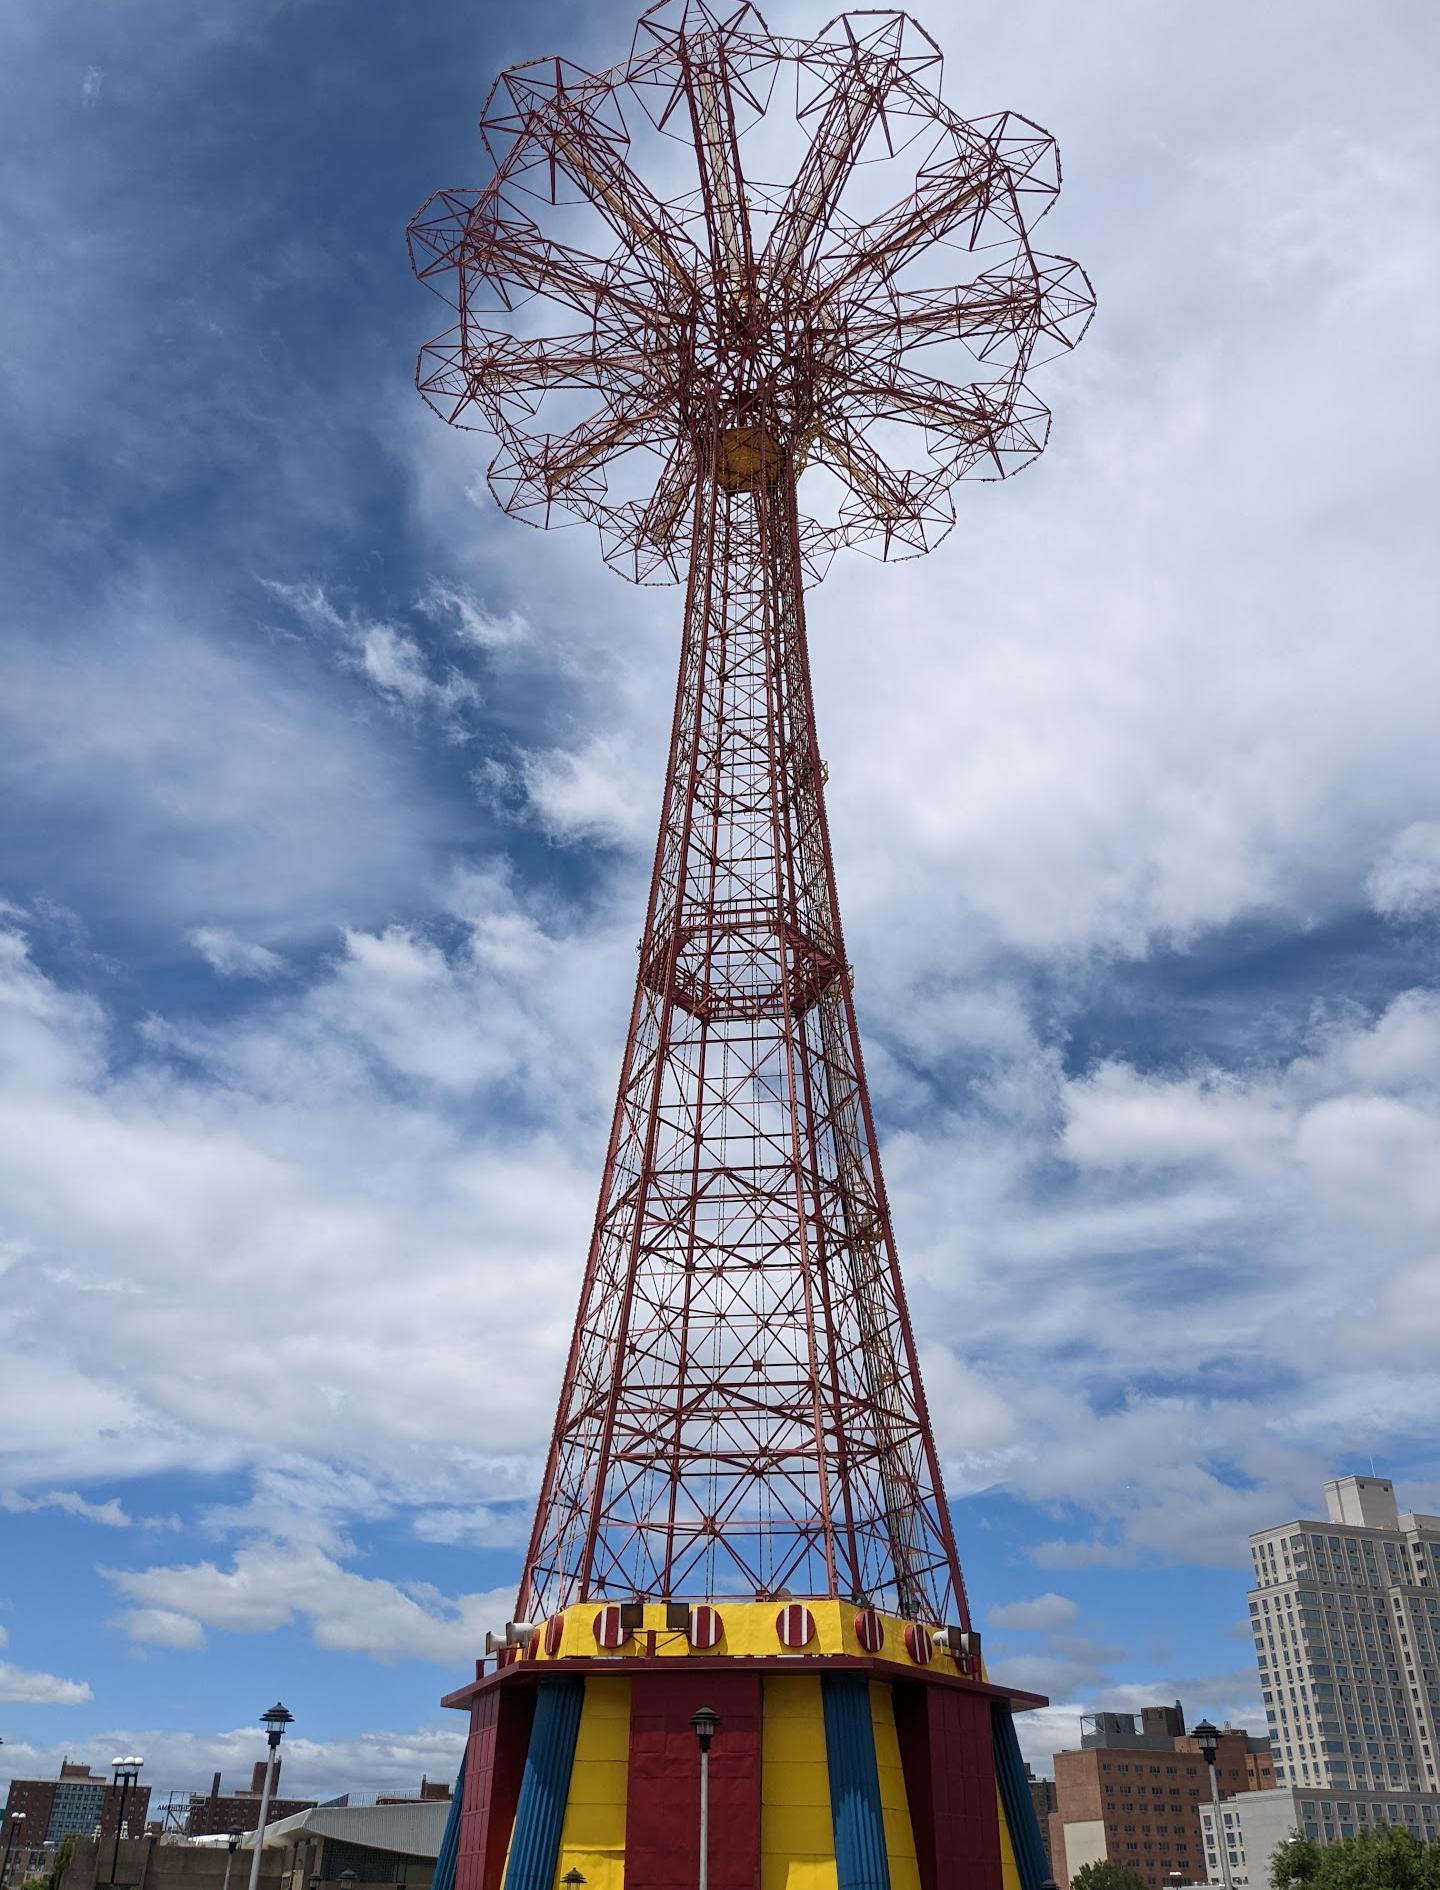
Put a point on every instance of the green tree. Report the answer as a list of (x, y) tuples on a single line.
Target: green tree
[(1103, 1875), (1388, 1859), (1295, 1864)]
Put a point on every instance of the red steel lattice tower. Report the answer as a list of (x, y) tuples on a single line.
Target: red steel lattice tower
[(720, 373)]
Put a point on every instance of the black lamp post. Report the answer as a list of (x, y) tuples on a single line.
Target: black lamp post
[(705, 1722), (1207, 1738), (232, 1844), (274, 1722), (127, 1776), (12, 1824)]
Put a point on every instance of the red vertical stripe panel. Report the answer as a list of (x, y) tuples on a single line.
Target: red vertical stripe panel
[(662, 1821)]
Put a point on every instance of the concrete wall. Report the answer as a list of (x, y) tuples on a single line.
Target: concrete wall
[(145, 1864)]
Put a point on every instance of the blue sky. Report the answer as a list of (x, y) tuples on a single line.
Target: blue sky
[(327, 797)]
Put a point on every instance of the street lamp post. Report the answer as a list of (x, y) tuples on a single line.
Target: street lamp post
[(705, 1720), (274, 1722), (1208, 1740), (12, 1823), (127, 1776), (232, 1844)]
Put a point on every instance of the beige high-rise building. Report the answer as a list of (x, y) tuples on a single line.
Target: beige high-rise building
[(1345, 1615)]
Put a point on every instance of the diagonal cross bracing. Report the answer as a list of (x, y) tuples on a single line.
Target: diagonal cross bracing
[(743, 1410)]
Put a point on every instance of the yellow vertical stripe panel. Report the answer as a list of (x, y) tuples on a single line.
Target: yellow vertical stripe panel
[(894, 1804), (797, 1832), (1009, 1869), (592, 1838)]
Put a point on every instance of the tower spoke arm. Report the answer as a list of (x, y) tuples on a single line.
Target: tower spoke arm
[(856, 101), (722, 183), (914, 400), (638, 218), (500, 366), (477, 237), (669, 504), (946, 197), (560, 458), (984, 310), (844, 448)]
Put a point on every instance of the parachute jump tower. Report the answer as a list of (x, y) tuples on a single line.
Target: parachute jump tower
[(742, 1516)]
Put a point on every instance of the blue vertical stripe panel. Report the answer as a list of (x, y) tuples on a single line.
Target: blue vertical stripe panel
[(444, 1877), (860, 1859), (545, 1785), (1015, 1797)]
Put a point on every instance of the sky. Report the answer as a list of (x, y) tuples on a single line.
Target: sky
[(327, 798)]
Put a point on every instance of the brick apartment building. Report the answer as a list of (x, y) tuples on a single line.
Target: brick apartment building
[(76, 1804), (212, 1815), (1042, 1799), (1132, 1794)]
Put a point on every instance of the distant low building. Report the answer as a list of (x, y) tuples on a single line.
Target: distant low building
[(78, 1803), (214, 1813), (1042, 1797), (1133, 1790), (1254, 1825), (394, 1843)]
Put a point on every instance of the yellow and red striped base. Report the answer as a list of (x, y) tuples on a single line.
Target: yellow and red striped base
[(865, 1758)]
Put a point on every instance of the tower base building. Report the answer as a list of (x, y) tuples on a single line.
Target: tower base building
[(851, 1753)]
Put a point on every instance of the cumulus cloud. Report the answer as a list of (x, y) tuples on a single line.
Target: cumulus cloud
[(1179, 679), (23, 1688), (232, 956), (161, 1627), (1046, 1611), (459, 609), (1228, 1698), (271, 1583), (375, 1760), (313, 1153), (390, 659), (1404, 882), (215, 784), (110, 1514), (588, 793)]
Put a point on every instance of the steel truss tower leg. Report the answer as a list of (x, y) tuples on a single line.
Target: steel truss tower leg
[(742, 1413)]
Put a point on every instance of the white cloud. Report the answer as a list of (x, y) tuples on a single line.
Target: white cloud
[(312, 1155), (484, 1526), (1182, 674), (214, 782), (110, 1513), (38, 1689), (161, 1627), (588, 793), (1045, 1612), (371, 1760), (1228, 1698), (234, 957), (458, 608), (270, 1583), (1404, 882), (393, 662)]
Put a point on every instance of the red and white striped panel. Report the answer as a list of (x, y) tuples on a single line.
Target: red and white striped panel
[(870, 1631), (795, 1626), (705, 1627), (554, 1634), (919, 1644), (608, 1629)]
